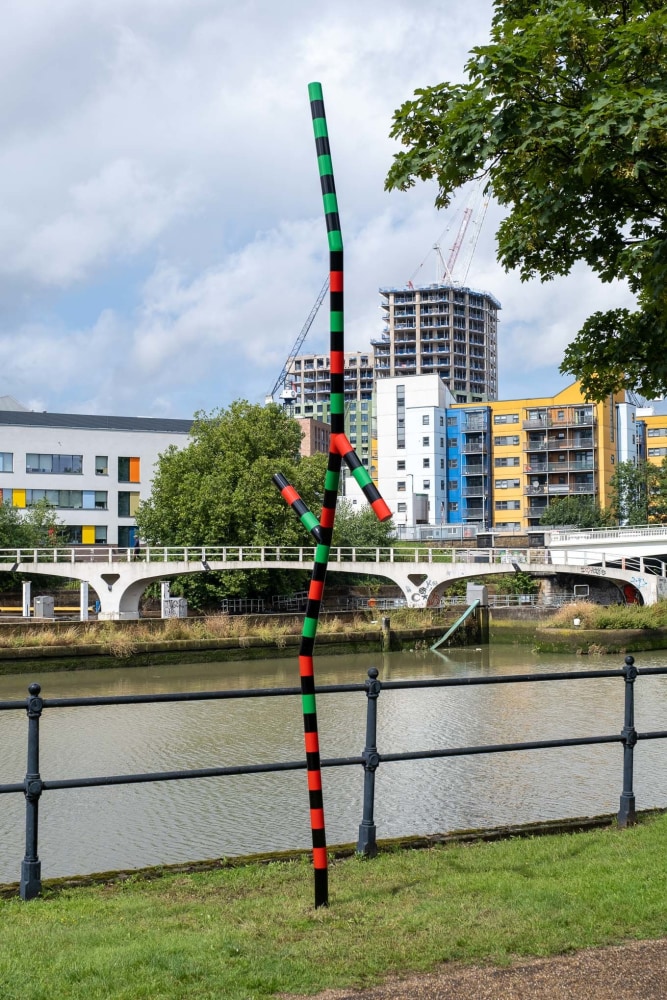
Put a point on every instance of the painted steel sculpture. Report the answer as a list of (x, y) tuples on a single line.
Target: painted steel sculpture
[(340, 450)]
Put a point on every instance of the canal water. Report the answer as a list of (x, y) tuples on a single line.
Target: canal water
[(90, 830)]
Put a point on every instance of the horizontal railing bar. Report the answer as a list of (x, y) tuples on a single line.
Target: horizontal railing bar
[(215, 772), (143, 699)]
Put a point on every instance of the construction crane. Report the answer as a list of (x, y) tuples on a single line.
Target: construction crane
[(287, 396), (455, 269)]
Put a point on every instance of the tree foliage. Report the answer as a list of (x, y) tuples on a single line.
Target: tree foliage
[(577, 512), (639, 493), (219, 491), (35, 527), (361, 528), (565, 115)]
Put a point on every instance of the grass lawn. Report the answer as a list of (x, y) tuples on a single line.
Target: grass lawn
[(251, 931)]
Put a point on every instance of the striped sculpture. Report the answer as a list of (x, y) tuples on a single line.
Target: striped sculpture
[(340, 450)]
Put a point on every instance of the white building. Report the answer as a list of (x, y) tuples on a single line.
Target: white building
[(94, 470), (412, 447)]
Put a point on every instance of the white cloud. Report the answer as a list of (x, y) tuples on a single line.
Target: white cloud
[(161, 231)]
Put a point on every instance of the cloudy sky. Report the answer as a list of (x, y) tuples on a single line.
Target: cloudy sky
[(161, 230)]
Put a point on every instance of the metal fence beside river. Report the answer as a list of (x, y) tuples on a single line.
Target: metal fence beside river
[(370, 759)]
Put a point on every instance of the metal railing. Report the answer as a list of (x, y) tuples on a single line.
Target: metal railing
[(33, 786)]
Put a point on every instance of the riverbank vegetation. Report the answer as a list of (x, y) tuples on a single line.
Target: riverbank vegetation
[(126, 638), (251, 931), (618, 616)]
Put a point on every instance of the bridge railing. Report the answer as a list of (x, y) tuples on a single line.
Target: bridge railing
[(204, 555), (581, 535)]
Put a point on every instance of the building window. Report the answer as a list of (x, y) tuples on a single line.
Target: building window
[(128, 470), (452, 484), (62, 464), (400, 416), (426, 419), (506, 484), (400, 465), (6, 461), (400, 486), (508, 505), (453, 463), (452, 442), (442, 421), (509, 461), (101, 465), (426, 442), (426, 463), (657, 452), (451, 421), (426, 484), (508, 439), (127, 503), (401, 508), (452, 506), (506, 418), (657, 432), (442, 484)]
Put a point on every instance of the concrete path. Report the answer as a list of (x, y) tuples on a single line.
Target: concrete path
[(634, 971)]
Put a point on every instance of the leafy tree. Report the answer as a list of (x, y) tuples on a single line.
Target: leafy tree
[(631, 489), (35, 527), (565, 116), (219, 491), (517, 583), (361, 528), (577, 511)]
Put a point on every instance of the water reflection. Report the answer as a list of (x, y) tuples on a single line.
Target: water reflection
[(124, 826)]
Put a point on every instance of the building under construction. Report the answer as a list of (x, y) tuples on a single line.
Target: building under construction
[(443, 328)]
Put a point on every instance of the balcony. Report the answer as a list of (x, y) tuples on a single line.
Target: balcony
[(474, 470), (578, 418), (474, 447)]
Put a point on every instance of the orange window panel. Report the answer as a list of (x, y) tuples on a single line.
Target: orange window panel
[(135, 476)]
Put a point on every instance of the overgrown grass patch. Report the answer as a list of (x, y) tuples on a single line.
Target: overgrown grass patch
[(251, 931)]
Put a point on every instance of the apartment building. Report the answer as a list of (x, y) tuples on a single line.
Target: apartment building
[(500, 464), (655, 425), (308, 385), (441, 329), (94, 470)]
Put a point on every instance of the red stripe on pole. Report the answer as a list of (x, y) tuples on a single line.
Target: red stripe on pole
[(290, 494), (319, 857), (337, 362), (316, 589), (336, 281), (306, 666), (340, 444), (317, 819), (314, 781), (382, 511), (327, 517), (312, 742)]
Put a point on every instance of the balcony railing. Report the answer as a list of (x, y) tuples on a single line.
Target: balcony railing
[(570, 419)]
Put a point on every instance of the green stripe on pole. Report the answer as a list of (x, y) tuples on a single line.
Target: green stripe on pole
[(337, 404), (308, 704), (330, 203), (315, 91), (324, 164), (337, 321), (331, 480), (322, 554), (361, 476), (335, 240), (320, 128), (309, 627), (309, 521)]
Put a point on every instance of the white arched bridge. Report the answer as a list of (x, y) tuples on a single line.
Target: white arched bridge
[(120, 576)]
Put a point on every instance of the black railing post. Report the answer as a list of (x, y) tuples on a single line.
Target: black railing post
[(366, 845), (626, 813), (31, 868)]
